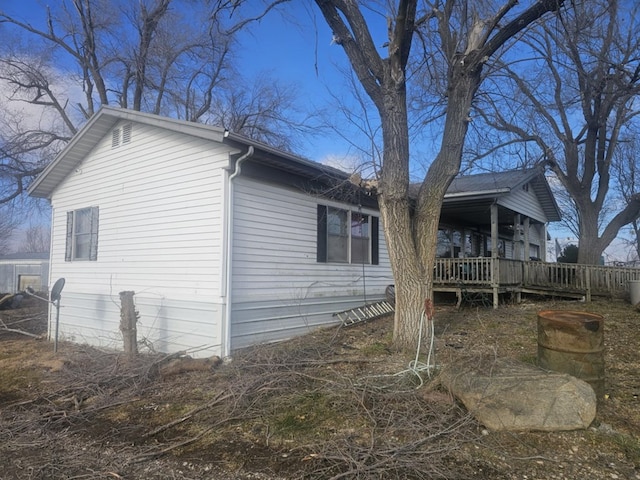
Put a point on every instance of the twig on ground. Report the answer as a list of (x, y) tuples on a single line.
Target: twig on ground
[(4, 328), (216, 400)]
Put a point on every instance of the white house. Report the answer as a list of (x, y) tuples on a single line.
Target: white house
[(226, 242)]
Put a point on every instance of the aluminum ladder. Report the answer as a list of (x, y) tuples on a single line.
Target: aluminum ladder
[(364, 313)]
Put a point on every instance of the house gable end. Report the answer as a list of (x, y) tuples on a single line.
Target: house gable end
[(101, 125)]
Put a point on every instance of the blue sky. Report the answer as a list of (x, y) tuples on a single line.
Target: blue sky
[(300, 54), (297, 47)]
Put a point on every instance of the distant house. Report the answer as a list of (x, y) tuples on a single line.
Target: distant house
[(225, 241), (21, 270)]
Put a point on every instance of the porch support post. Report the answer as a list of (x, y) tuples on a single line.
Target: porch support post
[(452, 247), (527, 246), (495, 267), (527, 256), (517, 238)]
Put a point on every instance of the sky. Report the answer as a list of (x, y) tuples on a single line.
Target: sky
[(303, 55), (299, 50)]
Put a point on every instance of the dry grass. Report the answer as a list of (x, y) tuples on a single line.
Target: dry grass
[(328, 405)]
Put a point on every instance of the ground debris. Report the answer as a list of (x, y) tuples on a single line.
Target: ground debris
[(321, 406)]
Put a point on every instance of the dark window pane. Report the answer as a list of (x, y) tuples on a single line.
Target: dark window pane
[(338, 237), (360, 238)]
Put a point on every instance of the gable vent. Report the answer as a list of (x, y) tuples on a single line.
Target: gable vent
[(115, 138), (126, 133), (120, 136)]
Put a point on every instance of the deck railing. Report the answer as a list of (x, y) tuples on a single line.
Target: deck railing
[(562, 277), (476, 270)]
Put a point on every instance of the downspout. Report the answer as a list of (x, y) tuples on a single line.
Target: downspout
[(228, 254), (50, 269)]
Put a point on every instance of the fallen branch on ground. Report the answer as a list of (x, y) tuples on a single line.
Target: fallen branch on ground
[(217, 399), (4, 328)]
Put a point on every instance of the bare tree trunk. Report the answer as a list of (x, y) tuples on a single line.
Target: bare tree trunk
[(91, 65), (589, 250), (411, 285), (128, 319), (147, 31)]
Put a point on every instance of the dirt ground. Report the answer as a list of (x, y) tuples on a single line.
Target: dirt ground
[(337, 403)]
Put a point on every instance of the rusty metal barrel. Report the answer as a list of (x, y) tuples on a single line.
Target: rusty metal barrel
[(573, 342)]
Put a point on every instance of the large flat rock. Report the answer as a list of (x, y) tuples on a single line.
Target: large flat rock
[(505, 395)]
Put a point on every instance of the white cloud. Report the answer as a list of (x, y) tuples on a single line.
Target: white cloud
[(350, 164)]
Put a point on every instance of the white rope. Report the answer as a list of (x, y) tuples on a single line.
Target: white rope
[(417, 367)]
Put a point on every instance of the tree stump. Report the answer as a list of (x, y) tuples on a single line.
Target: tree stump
[(128, 319)]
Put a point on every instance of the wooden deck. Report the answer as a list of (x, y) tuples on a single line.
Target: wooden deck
[(495, 276)]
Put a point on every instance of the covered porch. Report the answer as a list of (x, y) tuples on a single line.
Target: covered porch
[(493, 234)]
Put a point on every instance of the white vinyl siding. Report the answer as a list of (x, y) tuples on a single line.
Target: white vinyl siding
[(279, 288), (161, 218), (525, 202), (163, 212), (95, 319)]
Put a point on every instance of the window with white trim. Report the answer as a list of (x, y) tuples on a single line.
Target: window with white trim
[(346, 236), (82, 234)]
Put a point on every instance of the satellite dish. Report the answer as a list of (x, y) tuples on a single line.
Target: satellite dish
[(56, 290)]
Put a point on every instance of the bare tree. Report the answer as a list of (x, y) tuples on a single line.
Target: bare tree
[(7, 226), (34, 127), (131, 58), (626, 167), (576, 102), (36, 239), (168, 57), (257, 112), (465, 35)]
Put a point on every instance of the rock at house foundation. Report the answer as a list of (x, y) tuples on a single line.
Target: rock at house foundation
[(506, 395)]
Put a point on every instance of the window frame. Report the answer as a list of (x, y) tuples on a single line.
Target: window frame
[(71, 248), (323, 236)]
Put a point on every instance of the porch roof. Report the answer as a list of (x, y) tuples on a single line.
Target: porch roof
[(469, 198)]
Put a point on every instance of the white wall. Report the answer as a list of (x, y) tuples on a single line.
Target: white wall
[(525, 202), (279, 288), (160, 235)]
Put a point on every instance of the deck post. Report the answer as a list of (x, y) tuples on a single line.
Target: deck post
[(495, 266), (517, 237), (527, 246)]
